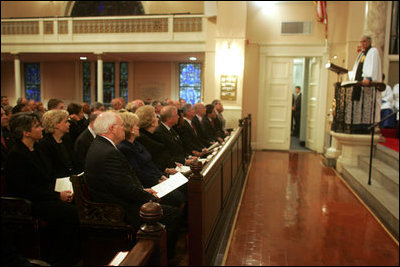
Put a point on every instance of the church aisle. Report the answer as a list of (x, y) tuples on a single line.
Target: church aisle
[(295, 211)]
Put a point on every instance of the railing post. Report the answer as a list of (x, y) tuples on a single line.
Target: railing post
[(195, 215), (250, 149), (151, 212)]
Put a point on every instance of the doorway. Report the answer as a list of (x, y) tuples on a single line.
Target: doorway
[(300, 79), (279, 76)]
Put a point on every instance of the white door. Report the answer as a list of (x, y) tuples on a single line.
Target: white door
[(276, 102), (312, 102)]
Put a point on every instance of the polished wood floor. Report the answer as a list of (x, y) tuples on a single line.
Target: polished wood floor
[(295, 211)]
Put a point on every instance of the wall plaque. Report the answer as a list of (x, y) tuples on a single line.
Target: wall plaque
[(228, 87)]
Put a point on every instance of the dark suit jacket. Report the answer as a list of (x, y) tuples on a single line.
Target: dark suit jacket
[(27, 175), (297, 106), (210, 131), (62, 164), (110, 179), (172, 142), (203, 138), (218, 127), (189, 138), (76, 128), (157, 150), (82, 145), (141, 162)]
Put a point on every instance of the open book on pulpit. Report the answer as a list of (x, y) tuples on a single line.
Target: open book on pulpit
[(344, 83)]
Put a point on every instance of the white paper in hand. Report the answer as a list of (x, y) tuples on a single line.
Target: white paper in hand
[(183, 168), (174, 181), (63, 184)]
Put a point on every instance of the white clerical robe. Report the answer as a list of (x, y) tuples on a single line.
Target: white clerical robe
[(371, 69)]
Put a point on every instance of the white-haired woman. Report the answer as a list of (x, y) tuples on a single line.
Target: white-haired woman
[(57, 146)]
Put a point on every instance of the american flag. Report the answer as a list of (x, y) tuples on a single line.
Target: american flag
[(322, 15)]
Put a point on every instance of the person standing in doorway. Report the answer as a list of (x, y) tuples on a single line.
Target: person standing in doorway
[(297, 111)]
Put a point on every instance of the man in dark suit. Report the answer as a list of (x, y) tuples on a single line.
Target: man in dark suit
[(169, 137), (84, 140), (297, 111), (188, 133), (200, 112), (220, 121), (111, 179), (208, 125)]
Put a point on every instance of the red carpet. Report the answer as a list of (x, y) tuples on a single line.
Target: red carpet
[(391, 141)]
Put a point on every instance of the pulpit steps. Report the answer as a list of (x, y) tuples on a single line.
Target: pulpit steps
[(382, 196)]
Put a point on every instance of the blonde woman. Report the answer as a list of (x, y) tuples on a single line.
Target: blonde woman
[(141, 160), (57, 146)]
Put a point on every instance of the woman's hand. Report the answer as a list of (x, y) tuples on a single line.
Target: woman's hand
[(170, 171), (66, 196)]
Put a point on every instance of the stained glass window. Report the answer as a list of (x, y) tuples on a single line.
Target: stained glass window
[(32, 81), (123, 80), (108, 82), (86, 82), (190, 82)]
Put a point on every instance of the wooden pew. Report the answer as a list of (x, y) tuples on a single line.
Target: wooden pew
[(213, 194), (22, 228), (102, 226)]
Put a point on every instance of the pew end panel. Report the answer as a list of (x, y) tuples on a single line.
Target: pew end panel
[(103, 229)]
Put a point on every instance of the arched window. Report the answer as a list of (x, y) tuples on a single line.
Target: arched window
[(106, 8)]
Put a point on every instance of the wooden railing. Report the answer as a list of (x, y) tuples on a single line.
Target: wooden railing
[(351, 116), (150, 247), (160, 28), (213, 192)]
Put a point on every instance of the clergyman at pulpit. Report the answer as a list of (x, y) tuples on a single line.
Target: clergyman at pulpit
[(367, 69)]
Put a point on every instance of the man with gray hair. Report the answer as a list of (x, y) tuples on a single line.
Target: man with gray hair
[(187, 132), (111, 179), (169, 137), (367, 69)]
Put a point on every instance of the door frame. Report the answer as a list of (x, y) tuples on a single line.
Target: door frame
[(285, 50)]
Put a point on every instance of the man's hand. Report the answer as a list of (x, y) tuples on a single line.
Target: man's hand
[(151, 191), (366, 82)]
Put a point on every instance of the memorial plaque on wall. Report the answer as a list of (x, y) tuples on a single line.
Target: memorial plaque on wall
[(228, 87)]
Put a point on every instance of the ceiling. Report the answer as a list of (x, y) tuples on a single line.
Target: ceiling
[(114, 57)]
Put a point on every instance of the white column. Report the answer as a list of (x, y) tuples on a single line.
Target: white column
[(375, 23), (17, 75), (99, 79)]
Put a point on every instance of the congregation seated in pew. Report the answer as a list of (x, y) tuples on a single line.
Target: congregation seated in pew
[(189, 136), (165, 134), (27, 175), (110, 178), (148, 122), (141, 161)]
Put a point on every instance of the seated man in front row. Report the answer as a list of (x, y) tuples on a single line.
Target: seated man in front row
[(110, 179)]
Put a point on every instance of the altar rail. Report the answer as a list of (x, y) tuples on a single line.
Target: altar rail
[(214, 191), (351, 116)]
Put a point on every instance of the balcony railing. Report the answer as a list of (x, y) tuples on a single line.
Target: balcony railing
[(168, 27)]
